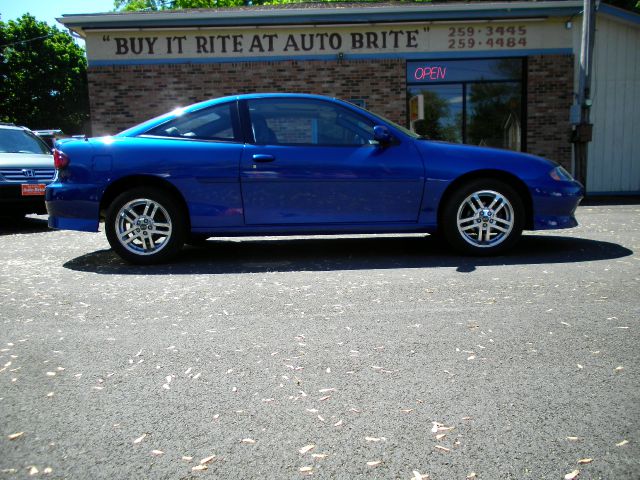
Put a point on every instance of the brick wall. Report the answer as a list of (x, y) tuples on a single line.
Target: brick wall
[(122, 96), (549, 99)]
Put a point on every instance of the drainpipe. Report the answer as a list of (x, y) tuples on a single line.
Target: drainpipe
[(583, 131)]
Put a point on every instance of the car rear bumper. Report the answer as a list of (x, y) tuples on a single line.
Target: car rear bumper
[(554, 205), (73, 207)]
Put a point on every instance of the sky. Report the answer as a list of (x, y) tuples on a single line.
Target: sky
[(49, 10)]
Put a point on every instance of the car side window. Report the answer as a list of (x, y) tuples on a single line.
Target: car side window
[(293, 121), (212, 123)]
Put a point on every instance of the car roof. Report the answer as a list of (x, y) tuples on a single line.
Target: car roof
[(13, 126), (137, 129), (279, 94), (250, 96)]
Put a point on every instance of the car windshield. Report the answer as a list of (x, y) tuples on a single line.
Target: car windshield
[(20, 141)]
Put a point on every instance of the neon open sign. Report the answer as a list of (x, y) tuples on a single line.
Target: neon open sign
[(469, 70), (430, 72)]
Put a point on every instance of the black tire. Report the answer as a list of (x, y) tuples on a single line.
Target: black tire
[(196, 240), (483, 217), (153, 231)]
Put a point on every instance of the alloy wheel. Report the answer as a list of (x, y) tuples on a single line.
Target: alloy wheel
[(143, 226), (485, 218)]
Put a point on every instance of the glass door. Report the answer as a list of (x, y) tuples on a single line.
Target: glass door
[(494, 115), (475, 101)]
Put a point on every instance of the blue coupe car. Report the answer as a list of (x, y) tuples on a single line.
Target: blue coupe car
[(282, 164)]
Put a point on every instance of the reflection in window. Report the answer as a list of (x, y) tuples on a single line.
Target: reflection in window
[(441, 107), (493, 112)]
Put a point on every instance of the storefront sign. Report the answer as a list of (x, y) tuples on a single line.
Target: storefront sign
[(207, 44), (463, 71), (430, 72)]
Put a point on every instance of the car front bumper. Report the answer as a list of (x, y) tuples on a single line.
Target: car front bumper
[(555, 203)]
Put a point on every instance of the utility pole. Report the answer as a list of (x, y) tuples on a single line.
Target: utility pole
[(583, 131)]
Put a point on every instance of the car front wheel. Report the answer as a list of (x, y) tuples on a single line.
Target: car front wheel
[(483, 217), (145, 226)]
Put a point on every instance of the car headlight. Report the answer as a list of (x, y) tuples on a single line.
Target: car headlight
[(560, 174)]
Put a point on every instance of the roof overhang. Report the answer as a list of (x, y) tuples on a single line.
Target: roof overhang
[(351, 14), (619, 15)]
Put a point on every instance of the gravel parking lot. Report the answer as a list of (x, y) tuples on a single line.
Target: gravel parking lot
[(382, 357)]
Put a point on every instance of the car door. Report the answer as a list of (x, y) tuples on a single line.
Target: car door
[(315, 162), (199, 152)]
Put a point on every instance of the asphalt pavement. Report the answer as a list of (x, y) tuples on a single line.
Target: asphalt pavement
[(375, 357)]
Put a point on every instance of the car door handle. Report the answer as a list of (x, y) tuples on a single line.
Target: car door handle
[(261, 158)]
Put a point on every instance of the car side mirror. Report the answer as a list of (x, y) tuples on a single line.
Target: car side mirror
[(382, 135)]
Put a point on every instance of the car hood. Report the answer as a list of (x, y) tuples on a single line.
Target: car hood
[(25, 160), (444, 159)]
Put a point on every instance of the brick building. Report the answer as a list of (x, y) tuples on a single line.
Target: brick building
[(497, 74)]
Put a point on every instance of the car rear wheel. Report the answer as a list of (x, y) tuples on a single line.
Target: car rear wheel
[(145, 226), (483, 217)]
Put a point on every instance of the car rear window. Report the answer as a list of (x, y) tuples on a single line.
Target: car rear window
[(212, 123), (20, 141)]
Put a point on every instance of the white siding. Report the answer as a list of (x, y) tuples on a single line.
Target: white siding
[(614, 154)]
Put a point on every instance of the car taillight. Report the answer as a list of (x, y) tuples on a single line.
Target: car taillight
[(60, 159)]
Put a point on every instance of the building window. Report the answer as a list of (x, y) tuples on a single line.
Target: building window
[(479, 102)]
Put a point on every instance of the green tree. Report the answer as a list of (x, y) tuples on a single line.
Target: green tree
[(438, 123), (43, 80), (128, 5), (134, 5), (490, 107)]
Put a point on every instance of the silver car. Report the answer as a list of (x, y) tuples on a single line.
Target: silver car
[(26, 167)]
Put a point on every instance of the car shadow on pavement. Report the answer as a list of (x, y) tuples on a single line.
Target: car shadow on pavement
[(362, 253), (15, 226)]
